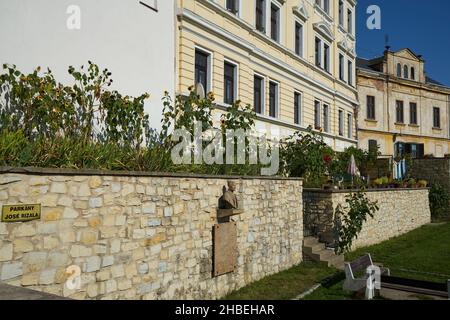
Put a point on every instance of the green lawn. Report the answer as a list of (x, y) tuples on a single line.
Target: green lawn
[(285, 285), (424, 252)]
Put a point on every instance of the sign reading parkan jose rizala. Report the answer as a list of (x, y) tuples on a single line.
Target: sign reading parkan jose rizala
[(21, 212)]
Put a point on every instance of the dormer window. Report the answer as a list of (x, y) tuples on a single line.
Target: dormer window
[(413, 73), (406, 72), (399, 70)]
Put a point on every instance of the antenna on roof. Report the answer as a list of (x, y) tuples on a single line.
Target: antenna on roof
[(386, 42)]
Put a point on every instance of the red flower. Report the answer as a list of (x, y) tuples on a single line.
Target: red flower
[(327, 158)]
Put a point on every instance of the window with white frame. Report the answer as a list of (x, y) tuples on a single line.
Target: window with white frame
[(349, 126), (275, 22), (317, 115), (322, 54), (233, 6), (298, 39), (258, 94), (350, 72), (326, 118), (318, 52), (260, 14), (324, 5), (326, 57), (273, 99), (341, 123), (297, 107), (230, 82), (203, 69), (350, 21), (341, 67), (341, 13)]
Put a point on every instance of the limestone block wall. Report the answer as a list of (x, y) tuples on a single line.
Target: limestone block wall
[(141, 236), (401, 210)]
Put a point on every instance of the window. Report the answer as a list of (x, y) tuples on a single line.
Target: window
[(326, 57), (229, 95), (341, 67), (202, 61), (349, 21), (399, 70), (436, 118), (326, 6), (297, 107), (298, 39), (373, 146), (233, 6), (413, 113), (317, 115), (413, 149), (341, 123), (341, 13), (406, 71), (318, 52), (326, 118), (273, 99), (349, 126), (399, 112), (371, 107), (260, 15), (350, 73), (275, 22), (258, 94), (413, 73)]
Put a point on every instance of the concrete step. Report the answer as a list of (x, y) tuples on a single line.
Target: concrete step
[(314, 248), (316, 251), (310, 241)]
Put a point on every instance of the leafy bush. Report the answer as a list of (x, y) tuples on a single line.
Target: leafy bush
[(46, 124), (302, 155), (439, 202), (351, 218)]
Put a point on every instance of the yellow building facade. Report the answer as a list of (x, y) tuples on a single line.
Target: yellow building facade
[(292, 60), (401, 109)]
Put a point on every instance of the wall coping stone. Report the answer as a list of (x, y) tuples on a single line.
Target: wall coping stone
[(331, 191), (96, 172)]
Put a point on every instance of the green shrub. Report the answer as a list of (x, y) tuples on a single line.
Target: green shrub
[(351, 218), (439, 202)]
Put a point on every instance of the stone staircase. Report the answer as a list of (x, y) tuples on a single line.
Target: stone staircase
[(313, 250)]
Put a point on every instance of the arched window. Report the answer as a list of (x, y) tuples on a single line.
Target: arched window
[(413, 73), (399, 70), (406, 71)]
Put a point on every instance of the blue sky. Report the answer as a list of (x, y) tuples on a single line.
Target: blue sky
[(422, 26)]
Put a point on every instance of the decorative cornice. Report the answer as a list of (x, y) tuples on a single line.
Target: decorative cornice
[(324, 29), (301, 11)]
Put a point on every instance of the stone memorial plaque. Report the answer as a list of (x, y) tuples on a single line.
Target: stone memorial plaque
[(225, 248)]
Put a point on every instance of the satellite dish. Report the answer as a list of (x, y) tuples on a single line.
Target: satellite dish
[(200, 90)]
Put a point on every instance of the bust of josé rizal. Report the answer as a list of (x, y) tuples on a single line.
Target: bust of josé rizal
[(229, 199)]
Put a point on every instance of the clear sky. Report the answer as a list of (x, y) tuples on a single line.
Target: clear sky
[(423, 26)]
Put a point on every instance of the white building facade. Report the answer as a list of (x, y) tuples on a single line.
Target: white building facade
[(134, 39)]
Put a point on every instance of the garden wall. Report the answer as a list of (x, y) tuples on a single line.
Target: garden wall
[(434, 170), (143, 236), (401, 210)]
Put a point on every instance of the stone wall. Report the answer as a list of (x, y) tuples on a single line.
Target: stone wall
[(142, 236), (435, 171), (401, 210)]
